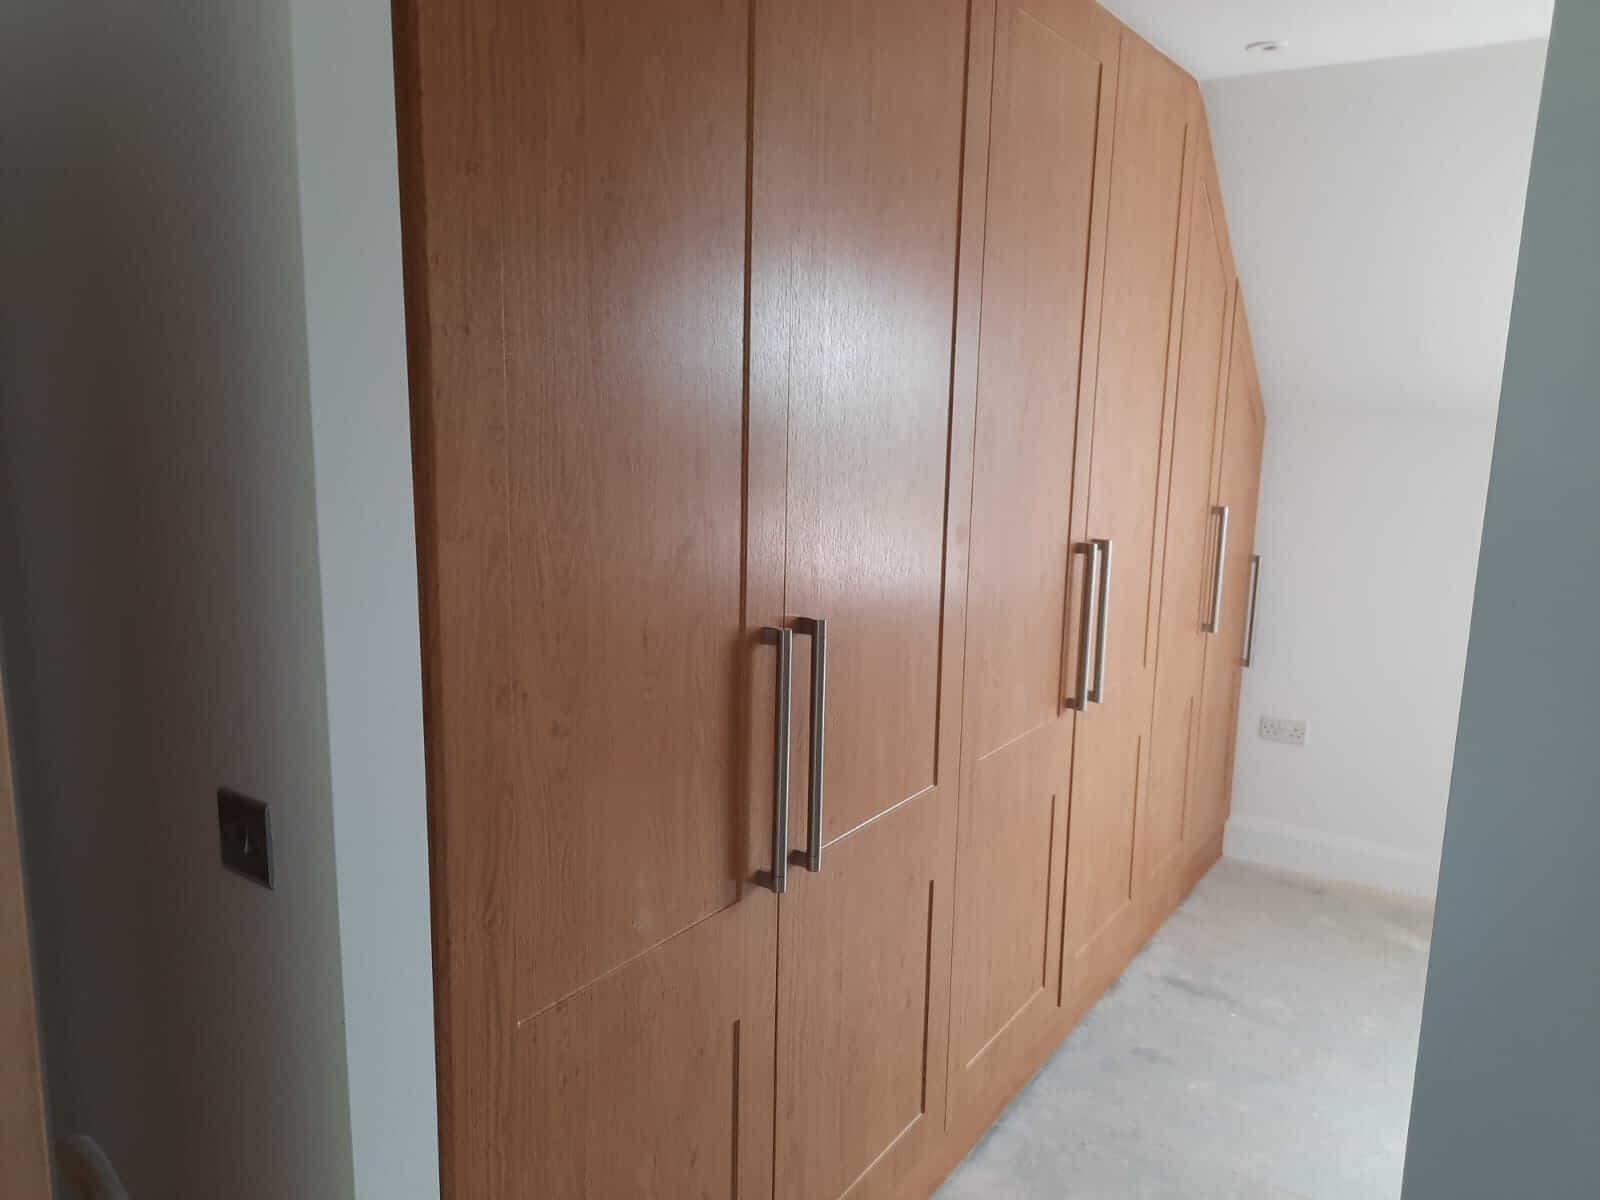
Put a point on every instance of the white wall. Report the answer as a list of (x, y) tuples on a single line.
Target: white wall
[(206, 577), (1508, 1074), (1375, 211)]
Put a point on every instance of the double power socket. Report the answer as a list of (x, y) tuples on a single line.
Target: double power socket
[(1282, 729)]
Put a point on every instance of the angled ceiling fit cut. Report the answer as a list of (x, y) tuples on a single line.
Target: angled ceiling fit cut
[(1208, 37)]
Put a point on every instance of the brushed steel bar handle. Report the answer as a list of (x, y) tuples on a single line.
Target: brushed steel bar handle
[(1250, 611), (778, 878), (1098, 694), (1079, 700), (1215, 624), (817, 630)]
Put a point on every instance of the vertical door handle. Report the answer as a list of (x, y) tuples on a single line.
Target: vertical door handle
[(817, 630), (1079, 700), (1103, 638), (1250, 612), (1215, 624), (778, 878)]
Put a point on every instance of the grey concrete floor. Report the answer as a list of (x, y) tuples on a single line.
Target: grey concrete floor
[(1260, 1048)]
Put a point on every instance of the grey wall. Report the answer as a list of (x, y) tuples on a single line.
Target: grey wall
[(206, 577), (1507, 1099), (361, 435)]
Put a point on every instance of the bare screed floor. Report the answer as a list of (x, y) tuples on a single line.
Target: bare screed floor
[(1261, 1048)]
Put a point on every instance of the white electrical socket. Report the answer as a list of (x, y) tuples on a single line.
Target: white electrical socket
[(1282, 729)]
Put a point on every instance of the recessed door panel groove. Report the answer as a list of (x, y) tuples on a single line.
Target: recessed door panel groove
[(862, 1024), (594, 491), (857, 204), (1193, 530), (1131, 427), (999, 1034), (1163, 434), (684, 1023), (1049, 887), (736, 1106), (876, 817), (1042, 236), (1008, 852), (927, 1001), (865, 1181), (733, 315), (622, 966), (626, 426), (1131, 874), (1240, 473), (1036, 261), (1041, 727)]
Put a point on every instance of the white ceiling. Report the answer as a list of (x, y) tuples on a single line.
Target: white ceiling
[(1208, 37)]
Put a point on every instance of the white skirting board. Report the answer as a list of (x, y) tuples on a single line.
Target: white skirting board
[(1331, 856)]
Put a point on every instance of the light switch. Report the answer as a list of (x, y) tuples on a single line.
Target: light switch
[(246, 836)]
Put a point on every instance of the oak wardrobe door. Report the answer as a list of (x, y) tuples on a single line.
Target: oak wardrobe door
[(1191, 599), (596, 516), (1054, 76), (857, 131), (1127, 429), (1238, 487)]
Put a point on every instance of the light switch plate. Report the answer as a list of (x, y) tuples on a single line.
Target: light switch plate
[(246, 831), (1284, 729)]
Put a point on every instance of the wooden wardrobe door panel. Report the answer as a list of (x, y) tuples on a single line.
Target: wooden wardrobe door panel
[(857, 178), (597, 550), (1193, 525), (624, 414), (1011, 853), (1239, 487), (1130, 427), (863, 1009), (1054, 76), (657, 1080), (857, 139), (1036, 252)]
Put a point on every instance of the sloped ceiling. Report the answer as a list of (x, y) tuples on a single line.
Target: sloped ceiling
[(1208, 37)]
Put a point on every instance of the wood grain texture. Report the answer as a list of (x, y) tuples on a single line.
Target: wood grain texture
[(858, 141), (622, 266), (682, 285), (863, 1009), (1130, 431), (1111, 956), (1099, 962), (1041, 188), (1158, 893), (617, 1107), (451, 226), (598, 517), (1054, 72), (24, 1142), (1011, 855), (1239, 485), (1192, 528)]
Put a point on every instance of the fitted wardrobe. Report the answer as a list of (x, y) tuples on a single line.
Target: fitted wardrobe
[(837, 439)]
